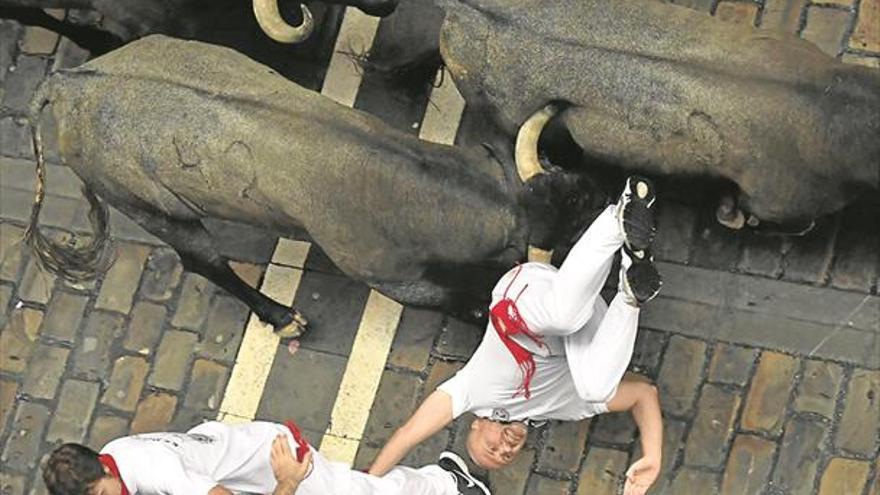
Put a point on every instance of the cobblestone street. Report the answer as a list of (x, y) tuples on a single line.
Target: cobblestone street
[(766, 350)]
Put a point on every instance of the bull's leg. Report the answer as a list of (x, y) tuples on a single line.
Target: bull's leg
[(194, 245)]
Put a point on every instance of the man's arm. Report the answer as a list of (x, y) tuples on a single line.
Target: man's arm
[(642, 399), (434, 413), (219, 490)]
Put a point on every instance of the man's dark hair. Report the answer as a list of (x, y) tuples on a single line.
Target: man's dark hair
[(71, 469)]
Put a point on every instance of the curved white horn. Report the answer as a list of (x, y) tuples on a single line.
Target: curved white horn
[(527, 164), (270, 20)]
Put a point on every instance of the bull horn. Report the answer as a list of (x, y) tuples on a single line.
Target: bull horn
[(527, 163), (270, 20)]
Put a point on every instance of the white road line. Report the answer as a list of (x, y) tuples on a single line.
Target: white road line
[(259, 343), (355, 38)]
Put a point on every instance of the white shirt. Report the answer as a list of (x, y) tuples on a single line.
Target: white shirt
[(487, 384), (236, 457)]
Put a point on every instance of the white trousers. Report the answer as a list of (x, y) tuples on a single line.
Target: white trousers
[(564, 306)]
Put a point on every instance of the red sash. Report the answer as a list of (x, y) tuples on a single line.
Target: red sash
[(107, 461), (508, 322), (302, 446)]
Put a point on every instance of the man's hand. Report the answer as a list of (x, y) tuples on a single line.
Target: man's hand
[(641, 475), (285, 466)]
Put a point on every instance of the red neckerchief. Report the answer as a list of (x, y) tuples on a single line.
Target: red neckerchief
[(108, 462), (505, 315), (302, 446)]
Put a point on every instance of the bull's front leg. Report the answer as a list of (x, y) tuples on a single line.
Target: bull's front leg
[(194, 245)]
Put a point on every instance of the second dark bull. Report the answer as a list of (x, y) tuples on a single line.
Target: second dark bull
[(171, 132)]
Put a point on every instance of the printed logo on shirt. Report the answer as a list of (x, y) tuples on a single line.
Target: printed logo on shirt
[(500, 414), (176, 439)]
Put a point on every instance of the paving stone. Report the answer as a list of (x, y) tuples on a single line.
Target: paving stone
[(783, 15), (310, 400), (769, 393), (716, 246), (861, 414), (69, 55), (858, 251), (15, 140), (738, 12), (808, 258), (333, 304), (71, 418), (675, 232), (819, 388), (459, 339), (616, 428), (224, 329), (18, 339), (9, 34), (154, 413), (44, 371), (844, 476), (396, 399), (866, 35), (712, 427), (91, 358), (145, 328), (206, 385), (689, 480), (36, 284), (680, 374), (799, 456), (748, 467), (8, 390), (172, 360), (105, 429), (603, 472), (37, 485), (38, 41), (428, 451), (875, 485), (64, 316), (440, 372), (121, 281), (11, 251), (826, 28), (414, 338), (11, 484), (648, 351), (762, 254), (564, 445), (126, 383), (161, 275), (22, 448), (20, 84), (542, 485), (731, 364), (867, 61), (194, 301)]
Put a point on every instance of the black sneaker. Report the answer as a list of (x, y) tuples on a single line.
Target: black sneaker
[(640, 282), (635, 213), (467, 483)]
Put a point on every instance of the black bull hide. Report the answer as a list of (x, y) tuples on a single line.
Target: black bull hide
[(173, 131), (651, 86)]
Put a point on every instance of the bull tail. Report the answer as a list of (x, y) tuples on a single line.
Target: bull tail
[(69, 260)]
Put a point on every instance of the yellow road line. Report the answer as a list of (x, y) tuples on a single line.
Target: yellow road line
[(355, 38)]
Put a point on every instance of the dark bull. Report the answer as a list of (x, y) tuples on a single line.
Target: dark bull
[(171, 132), (663, 89)]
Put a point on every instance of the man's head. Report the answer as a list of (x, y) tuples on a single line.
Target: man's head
[(74, 469), (493, 444)]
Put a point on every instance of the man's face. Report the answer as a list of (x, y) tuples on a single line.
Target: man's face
[(492, 445), (108, 485)]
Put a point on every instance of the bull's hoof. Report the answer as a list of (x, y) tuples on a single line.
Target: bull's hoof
[(295, 329), (729, 215)]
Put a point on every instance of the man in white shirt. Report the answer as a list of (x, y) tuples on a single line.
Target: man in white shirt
[(219, 459), (553, 349)]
